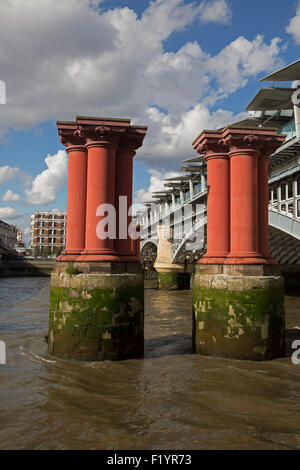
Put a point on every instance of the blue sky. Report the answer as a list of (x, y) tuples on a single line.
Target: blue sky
[(177, 66)]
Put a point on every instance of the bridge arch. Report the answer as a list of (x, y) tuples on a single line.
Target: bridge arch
[(148, 252)]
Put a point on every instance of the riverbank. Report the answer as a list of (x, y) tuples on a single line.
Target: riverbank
[(26, 268)]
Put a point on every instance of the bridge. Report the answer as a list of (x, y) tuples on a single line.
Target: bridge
[(187, 220), (214, 219), (181, 204)]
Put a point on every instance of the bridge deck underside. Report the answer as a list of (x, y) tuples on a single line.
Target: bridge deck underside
[(284, 248)]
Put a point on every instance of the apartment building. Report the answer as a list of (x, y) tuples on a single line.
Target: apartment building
[(48, 231), (19, 246), (8, 234)]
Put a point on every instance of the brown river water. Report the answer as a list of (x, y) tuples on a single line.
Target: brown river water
[(171, 399)]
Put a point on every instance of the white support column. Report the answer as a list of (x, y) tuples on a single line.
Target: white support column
[(166, 207), (181, 197), (152, 214), (278, 197), (203, 185), (295, 211), (191, 188), (297, 112), (173, 201), (272, 197)]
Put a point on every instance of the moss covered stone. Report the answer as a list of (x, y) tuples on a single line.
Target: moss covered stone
[(173, 280), (238, 316), (168, 281), (96, 316)]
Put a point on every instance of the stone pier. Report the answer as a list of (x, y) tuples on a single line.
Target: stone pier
[(97, 288), (238, 293), (171, 276)]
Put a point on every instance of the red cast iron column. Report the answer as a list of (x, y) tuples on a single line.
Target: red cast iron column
[(210, 143), (248, 195), (129, 143), (102, 137), (268, 146), (76, 199)]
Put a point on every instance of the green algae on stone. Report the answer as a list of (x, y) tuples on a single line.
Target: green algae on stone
[(243, 323), (96, 323), (168, 281)]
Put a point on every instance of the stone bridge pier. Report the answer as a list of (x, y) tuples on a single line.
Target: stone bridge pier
[(97, 289), (238, 293), (171, 276)]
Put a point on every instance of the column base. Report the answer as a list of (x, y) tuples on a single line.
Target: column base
[(90, 256), (68, 255), (212, 260), (96, 315), (237, 259), (239, 315), (248, 258)]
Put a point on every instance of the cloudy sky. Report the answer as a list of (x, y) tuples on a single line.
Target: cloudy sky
[(178, 66)]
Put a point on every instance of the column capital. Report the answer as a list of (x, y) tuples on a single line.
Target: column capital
[(101, 131), (133, 138), (101, 135), (261, 141), (69, 135), (211, 144)]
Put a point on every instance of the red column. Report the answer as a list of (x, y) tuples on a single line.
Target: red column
[(130, 141), (76, 202), (76, 199), (263, 203), (218, 215), (269, 143), (100, 190), (101, 143), (244, 205), (248, 193)]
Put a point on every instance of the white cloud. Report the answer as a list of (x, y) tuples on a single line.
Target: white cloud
[(170, 141), (294, 25), (240, 60), (9, 214), (10, 196), (45, 186), (80, 60), (157, 180), (216, 11), (9, 173)]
